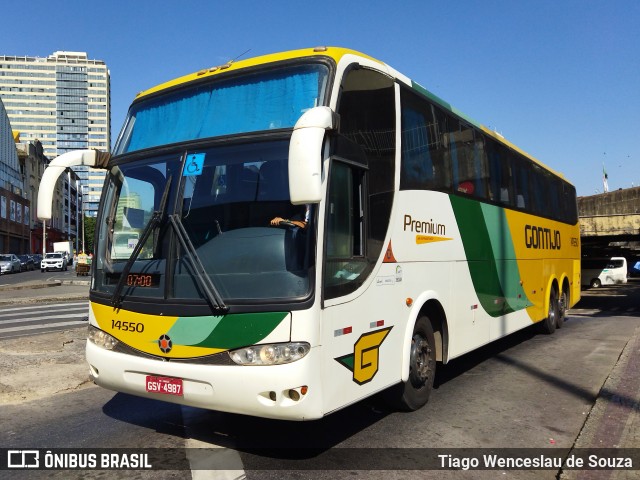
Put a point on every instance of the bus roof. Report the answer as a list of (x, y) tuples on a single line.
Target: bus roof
[(336, 53), (333, 52)]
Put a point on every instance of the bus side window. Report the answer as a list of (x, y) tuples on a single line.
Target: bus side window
[(345, 260), (426, 163), (501, 188), (555, 196), (521, 181), (468, 160), (539, 191), (569, 204), (417, 165)]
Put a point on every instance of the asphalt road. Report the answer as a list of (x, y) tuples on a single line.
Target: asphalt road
[(15, 278)]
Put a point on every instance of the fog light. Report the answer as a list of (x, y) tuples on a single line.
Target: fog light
[(272, 396), (294, 395)]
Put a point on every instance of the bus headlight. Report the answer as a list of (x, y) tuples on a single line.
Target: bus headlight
[(270, 354), (101, 339)]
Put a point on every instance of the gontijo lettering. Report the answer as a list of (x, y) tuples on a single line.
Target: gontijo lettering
[(541, 238)]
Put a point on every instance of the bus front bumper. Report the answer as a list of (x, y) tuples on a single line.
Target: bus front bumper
[(263, 391)]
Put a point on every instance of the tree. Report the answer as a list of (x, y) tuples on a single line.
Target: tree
[(89, 233)]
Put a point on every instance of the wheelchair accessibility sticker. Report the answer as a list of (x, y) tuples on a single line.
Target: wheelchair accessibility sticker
[(194, 165)]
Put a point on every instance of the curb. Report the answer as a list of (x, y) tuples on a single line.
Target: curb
[(24, 286), (40, 284), (76, 282), (65, 298), (43, 296)]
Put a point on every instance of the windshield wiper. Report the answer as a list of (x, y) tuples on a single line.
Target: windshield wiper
[(156, 218), (208, 288)]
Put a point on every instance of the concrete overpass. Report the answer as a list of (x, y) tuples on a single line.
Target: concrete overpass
[(610, 223)]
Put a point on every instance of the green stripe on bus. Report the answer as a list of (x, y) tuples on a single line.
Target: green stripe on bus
[(227, 332), (490, 256), (504, 255)]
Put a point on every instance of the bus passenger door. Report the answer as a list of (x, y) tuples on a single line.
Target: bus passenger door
[(358, 337)]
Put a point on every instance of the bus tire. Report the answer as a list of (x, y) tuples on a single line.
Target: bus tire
[(563, 306), (548, 325), (595, 283), (414, 393)]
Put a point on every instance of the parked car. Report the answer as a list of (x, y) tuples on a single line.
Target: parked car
[(9, 263), (27, 263), (53, 261)]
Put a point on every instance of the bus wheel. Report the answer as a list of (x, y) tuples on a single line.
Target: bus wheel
[(548, 325), (414, 393), (563, 303), (596, 283)]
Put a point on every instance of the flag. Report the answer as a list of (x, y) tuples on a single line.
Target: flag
[(605, 178)]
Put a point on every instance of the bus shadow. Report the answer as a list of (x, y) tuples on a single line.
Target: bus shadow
[(463, 364), (251, 435)]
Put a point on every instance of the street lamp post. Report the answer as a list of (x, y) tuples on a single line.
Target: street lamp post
[(69, 205), (78, 206), (83, 194)]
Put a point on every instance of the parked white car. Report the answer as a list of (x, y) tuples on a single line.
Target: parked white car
[(53, 261), (9, 263)]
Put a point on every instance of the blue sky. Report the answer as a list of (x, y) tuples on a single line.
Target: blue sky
[(558, 78)]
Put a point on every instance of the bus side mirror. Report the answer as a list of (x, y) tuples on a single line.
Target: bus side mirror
[(90, 158), (305, 154)]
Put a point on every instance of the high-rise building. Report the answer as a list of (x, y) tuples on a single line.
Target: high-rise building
[(14, 204), (63, 101)]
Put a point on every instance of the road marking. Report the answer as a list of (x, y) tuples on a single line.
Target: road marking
[(49, 317), (41, 326), (227, 456), (39, 307), (42, 318)]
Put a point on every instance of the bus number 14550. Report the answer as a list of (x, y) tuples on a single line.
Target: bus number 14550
[(127, 326)]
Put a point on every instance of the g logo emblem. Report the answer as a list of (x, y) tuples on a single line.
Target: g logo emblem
[(165, 343), (364, 360)]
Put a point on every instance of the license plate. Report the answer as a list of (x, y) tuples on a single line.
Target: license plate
[(164, 385)]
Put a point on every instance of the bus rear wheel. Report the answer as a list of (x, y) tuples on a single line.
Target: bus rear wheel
[(548, 325), (415, 392), (596, 283), (563, 306)]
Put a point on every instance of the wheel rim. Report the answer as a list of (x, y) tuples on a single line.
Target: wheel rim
[(562, 304), (420, 361), (552, 309)]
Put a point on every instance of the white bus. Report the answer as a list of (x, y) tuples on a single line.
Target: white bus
[(603, 271), (316, 228)]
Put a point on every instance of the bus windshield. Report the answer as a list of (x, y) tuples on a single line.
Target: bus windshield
[(262, 101), (225, 197)]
